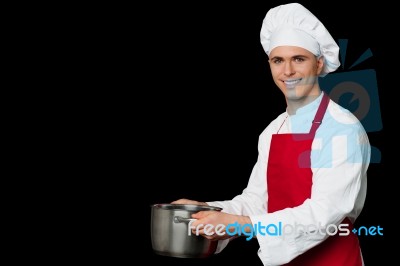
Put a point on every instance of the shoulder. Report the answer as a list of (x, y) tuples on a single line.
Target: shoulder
[(340, 114), (273, 127), (340, 121), (341, 134), (265, 137)]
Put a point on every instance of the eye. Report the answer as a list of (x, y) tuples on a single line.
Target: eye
[(277, 61), (298, 59)]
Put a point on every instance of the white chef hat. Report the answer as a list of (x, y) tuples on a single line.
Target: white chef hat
[(294, 25)]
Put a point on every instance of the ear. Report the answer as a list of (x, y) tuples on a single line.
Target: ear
[(320, 64)]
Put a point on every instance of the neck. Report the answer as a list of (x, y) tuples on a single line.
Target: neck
[(294, 104)]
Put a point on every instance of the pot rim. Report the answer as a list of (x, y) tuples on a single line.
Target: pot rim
[(187, 207)]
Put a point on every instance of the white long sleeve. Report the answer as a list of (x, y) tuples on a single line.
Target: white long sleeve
[(340, 158)]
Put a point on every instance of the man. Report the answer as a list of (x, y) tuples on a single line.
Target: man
[(310, 176)]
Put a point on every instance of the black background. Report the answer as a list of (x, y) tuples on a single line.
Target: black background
[(202, 93)]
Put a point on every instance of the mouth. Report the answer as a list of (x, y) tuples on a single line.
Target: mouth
[(292, 82)]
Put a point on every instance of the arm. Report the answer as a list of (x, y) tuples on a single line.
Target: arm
[(339, 162)]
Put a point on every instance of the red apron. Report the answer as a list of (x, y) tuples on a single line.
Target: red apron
[(289, 180)]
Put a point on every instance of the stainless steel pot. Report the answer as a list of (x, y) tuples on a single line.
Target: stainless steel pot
[(169, 231)]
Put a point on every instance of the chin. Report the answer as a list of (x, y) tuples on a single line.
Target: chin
[(292, 94)]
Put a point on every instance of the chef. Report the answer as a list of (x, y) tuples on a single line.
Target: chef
[(311, 171)]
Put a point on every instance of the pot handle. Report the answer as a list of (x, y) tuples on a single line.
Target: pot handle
[(178, 219)]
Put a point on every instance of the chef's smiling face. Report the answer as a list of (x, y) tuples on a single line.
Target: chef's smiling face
[(295, 71)]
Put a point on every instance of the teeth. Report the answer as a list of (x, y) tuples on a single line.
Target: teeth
[(292, 82)]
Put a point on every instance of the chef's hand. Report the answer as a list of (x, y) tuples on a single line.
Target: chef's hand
[(187, 201), (207, 222)]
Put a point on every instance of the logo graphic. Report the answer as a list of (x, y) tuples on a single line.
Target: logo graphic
[(356, 91), (281, 229)]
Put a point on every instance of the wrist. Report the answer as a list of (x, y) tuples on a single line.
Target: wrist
[(244, 222)]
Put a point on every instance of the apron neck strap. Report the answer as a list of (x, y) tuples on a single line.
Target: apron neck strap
[(320, 113)]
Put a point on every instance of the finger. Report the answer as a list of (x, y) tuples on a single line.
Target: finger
[(198, 231), (202, 232), (179, 201), (201, 214), (211, 237)]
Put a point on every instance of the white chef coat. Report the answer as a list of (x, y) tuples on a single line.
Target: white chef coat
[(339, 161)]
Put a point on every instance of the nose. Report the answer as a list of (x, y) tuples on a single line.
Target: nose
[(289, 70)]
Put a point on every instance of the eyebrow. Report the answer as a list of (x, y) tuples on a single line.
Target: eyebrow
[(295, 56)]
